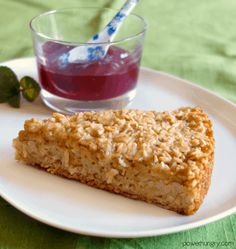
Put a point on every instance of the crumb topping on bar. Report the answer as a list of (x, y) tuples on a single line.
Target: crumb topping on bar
[(178, 142)]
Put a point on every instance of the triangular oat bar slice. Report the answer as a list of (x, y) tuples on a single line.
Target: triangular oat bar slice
[(164, 158)]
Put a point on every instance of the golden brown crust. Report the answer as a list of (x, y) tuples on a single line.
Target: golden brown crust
[(110, 188), (128, 145), (203, 188)]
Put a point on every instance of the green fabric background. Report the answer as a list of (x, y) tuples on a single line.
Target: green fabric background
[(195, 40)]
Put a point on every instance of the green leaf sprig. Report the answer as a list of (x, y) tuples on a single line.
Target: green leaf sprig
[(11, 88)]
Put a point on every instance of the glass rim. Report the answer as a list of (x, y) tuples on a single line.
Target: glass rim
[(127, 38)]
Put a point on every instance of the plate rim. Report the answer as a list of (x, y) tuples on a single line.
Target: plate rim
[(135, 234)]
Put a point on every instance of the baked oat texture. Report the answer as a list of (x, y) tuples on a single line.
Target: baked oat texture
[(164, 158)]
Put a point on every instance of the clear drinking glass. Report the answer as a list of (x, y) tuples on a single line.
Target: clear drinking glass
[(106, 84)]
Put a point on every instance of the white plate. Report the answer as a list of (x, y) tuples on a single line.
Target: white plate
[(75, 207)]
